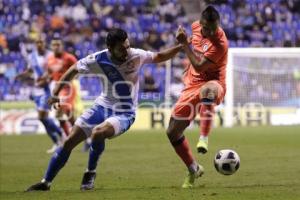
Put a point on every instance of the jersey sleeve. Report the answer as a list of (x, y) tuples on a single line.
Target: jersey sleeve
[(195, 25), (84, 65), (146, 56)]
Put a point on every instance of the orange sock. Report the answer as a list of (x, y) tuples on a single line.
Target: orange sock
[(206, 119), (183, 150)]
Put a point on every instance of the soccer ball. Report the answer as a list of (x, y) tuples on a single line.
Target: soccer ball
[(227, 162)]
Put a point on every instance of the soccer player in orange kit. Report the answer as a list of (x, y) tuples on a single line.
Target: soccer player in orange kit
[(58, 63), (205, 87)]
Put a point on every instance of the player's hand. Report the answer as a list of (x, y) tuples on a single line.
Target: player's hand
[(181, 35), (53, 101), (42, 81)]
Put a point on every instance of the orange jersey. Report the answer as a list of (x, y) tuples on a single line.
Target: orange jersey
[(59, 65), (213, 49)]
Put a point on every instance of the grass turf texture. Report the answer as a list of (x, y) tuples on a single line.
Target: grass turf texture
[(143, 165)]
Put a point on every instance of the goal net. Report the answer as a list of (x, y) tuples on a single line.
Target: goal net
[(263, 86)]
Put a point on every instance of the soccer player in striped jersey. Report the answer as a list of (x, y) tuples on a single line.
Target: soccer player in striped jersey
[(41, 91), (113, 111)]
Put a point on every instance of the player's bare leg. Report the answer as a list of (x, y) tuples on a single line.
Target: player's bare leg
[(181, 146), (51, 128), (99, 134), (59, 159), (66, 118), (71, 117), (208, 96)]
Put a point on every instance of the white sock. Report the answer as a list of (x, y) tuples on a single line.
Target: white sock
[(44, 181), (87, 170), (205, 138)]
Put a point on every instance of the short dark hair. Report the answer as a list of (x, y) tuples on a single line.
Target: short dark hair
[(210, 14), (115, 36)]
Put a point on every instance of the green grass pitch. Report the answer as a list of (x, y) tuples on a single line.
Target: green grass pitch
[(142, 165)]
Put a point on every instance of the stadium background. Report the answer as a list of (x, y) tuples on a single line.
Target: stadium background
[(265, 91), (151, 25)]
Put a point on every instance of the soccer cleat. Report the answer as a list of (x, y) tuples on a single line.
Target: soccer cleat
[(190, 178), (41, 186), (202, 146), (88, 181)]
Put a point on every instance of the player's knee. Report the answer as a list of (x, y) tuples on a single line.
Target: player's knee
[(211, 95), (101, 133), (77, 136), (169, 132), (172, 134), (208, 93), (176, 128), (42, 115)]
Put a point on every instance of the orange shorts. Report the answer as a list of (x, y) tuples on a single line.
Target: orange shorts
[(189, 104), (67, 98)]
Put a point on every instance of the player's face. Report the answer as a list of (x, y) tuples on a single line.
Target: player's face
[(40, 45), (209, 29), (57, 46), (120, 51)]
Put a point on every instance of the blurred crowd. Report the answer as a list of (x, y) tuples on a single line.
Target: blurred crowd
[(151, 25), (260, 23), (267, 89)]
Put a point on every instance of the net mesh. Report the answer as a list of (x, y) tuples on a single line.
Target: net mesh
[(270, 79)]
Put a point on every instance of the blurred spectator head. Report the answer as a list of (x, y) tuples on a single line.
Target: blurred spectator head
[(149, 84), (40, 43), (3, 42)]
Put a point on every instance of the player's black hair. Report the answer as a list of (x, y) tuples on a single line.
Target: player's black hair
[(115, 36), (210, 14)]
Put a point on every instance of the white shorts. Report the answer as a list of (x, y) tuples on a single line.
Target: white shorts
[(97, 114)]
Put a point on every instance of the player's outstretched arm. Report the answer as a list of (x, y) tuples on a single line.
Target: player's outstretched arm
[(65, 79), (199, 65), (26, 74), (166, 54), (43, 80)]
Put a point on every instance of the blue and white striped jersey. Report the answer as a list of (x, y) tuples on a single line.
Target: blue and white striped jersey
[(120, 82), (37, 63)]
